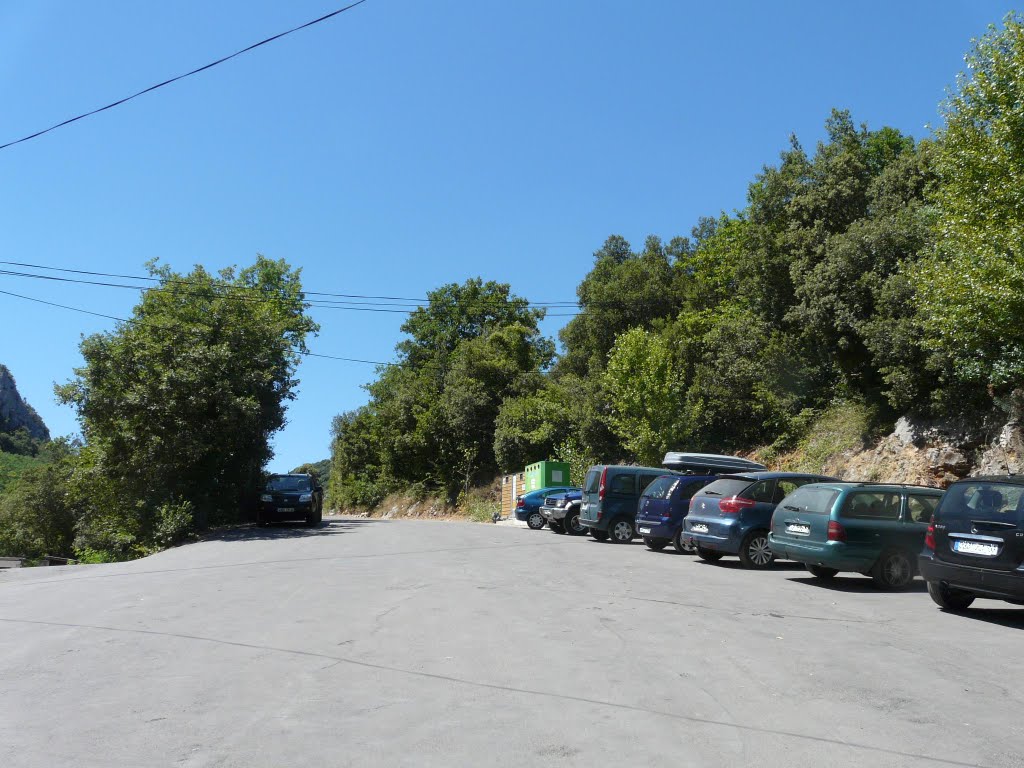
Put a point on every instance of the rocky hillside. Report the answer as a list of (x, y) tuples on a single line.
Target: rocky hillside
[(15, 413)]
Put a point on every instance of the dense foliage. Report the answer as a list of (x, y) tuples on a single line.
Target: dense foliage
[(875, 270)]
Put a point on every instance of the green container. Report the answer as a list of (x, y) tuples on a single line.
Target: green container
[(545, 474)]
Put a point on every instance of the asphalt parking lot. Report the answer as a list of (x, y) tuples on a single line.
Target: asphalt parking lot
[(421, 643)]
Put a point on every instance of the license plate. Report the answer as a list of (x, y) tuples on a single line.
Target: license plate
[(645, 530), (699, 528), (803, 530), (976, 548), (286, 509)]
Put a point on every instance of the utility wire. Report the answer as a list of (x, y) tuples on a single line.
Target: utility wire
[(182, 77)]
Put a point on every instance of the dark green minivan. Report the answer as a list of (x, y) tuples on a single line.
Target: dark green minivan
[(876, 530)]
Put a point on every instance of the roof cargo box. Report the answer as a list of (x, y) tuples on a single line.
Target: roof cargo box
[(709, 463)]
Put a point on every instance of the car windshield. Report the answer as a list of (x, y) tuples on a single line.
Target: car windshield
[(661, 488), (288, 483), (726, 486), (988, 501)]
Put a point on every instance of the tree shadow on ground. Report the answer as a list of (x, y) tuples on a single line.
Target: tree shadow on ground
[(855, 583), (298, 530)]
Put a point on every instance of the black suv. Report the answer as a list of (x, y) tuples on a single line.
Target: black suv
[(291, 497), (975, 543)]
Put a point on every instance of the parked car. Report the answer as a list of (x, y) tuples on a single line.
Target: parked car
[(528, 505), (291, 497), (610, 496), (562, 512), (663, 505), (732, 516), (867, 528), (975, 544)]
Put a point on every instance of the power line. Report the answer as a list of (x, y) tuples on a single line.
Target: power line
[(182, 77)]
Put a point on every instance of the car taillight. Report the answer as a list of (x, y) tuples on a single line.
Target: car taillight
[(520, 503), (836, 532), (600, 488), (929, 537), (735, 504)]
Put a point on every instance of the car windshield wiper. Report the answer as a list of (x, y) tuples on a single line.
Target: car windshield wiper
[(994, 524), (791, 507), (712, 493)]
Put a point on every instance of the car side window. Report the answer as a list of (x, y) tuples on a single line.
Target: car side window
[(622, 484), (920, 508), (763, 491), (877, 505)]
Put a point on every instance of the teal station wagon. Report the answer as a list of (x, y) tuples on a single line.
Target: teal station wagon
[(876, 530)]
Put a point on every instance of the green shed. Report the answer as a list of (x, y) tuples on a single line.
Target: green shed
[(543, 474)]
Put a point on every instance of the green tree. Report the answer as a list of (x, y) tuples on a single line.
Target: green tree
[(180, 402)]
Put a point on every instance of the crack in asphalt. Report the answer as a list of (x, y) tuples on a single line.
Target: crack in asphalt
[(504, 688)]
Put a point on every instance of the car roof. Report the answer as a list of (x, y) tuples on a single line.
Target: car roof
[(1009, 479), (775, 476), (845, 486), (291, 474)]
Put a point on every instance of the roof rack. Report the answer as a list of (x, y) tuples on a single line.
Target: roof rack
[(900, 485)]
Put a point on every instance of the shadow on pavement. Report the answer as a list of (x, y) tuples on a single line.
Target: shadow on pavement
[(1004, 617), (856, 584), (274, 531), (735, 564)]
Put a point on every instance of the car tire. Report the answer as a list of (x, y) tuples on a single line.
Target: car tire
[(894, 570), (621, 530), (755, 551), (655, 544), (556, 526), (599, 535), (949, 599), (681, 546), (821, 572), (311, 521), (573, 526), (535, 521), (708, 555)]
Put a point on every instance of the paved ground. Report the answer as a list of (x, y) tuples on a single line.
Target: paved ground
[(367, 643)]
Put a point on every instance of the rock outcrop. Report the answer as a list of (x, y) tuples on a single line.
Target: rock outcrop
[(15, 413)]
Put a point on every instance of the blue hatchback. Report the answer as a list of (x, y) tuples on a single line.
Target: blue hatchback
[(662, 507), (528, 505), (733, 515)]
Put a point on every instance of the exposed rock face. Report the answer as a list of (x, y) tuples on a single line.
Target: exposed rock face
[(15, 413)]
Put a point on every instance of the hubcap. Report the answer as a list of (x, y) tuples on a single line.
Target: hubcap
[(622, 531), (535, 520), (574, 522), (759, 551), (897, 570)]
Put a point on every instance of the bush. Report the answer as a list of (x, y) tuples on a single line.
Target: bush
[(175, 522)]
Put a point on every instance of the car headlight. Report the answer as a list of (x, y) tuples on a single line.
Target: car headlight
[(306, 497), (266, 497)]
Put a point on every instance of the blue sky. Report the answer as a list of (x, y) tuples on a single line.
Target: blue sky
[(403, 145)]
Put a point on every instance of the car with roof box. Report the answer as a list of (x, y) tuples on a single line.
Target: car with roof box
[(665, 502), (562, 512), (874, 529), (610, 496), (974, 546), (732, 516)]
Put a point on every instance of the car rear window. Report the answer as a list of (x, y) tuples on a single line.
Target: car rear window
[(660, 488), (590, 485), (811, 501), (726, 486), (999, 502)]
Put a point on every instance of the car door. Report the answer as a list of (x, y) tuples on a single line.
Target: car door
[(871, 517), (918, 509), (621, 496)]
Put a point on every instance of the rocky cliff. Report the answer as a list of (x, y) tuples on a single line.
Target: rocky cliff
[(15, 413)]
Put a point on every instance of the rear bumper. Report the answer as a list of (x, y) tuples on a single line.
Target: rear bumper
[(523, 513), (728, 544), (1002, 585), (834, 554), (657, 529)]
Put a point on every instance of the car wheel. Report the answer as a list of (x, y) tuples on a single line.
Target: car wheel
[(311, 520), (681, 546), (894, 570), (621, 530), (708, 555), (821, 572), (535, 521), (656, 544), (599, 535), (573, 524), (949, 599), (755, 551), (556, 527)]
